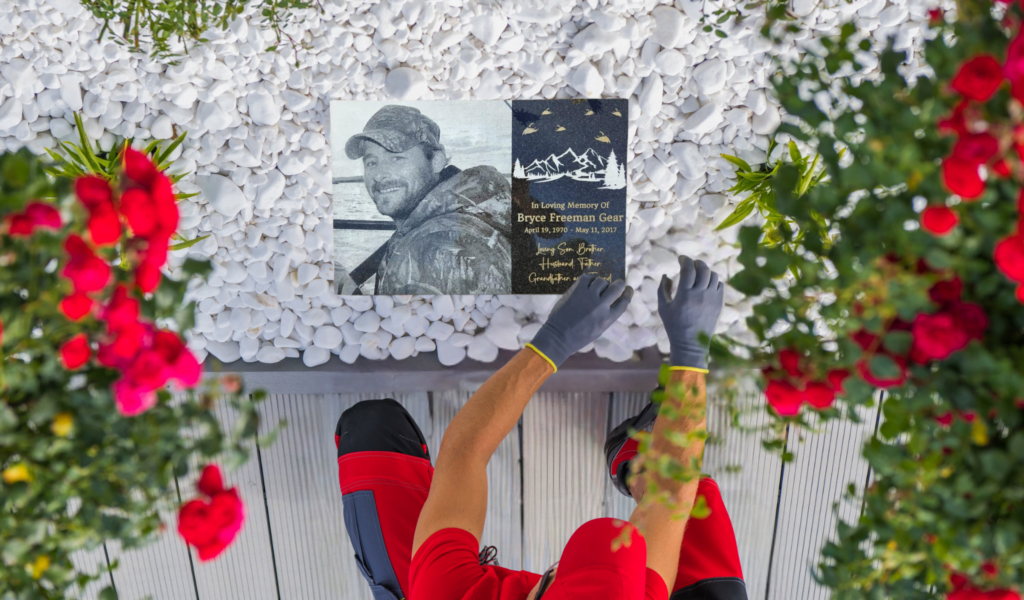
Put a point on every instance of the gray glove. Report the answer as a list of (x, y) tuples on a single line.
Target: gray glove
[(582, 314), (694, 310)]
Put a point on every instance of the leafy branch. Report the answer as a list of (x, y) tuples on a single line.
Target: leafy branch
[(779, 230), (156, 23), (82, 159)]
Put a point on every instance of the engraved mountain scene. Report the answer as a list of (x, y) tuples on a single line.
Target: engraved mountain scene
[(588, 165)]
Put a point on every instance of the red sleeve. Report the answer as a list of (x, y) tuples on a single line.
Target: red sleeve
[(655, 588), (447, 567)]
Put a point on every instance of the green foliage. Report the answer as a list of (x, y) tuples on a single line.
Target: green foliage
[(82, 159), (76, 472), (943, 499), (153, 25), (779, 230)]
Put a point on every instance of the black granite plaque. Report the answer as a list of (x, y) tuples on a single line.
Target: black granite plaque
[(568, 192)]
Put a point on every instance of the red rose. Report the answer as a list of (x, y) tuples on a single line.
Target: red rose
[(937, 336), (970, 318), (945, 419), (956, 122), (131, 399), (790, 361), (962, 178), (836, 378), (167, 215), (865, 372), (1001, 168), (43, 215), (1020, 293), (976, 148), (75, 352), (147, 371), (944, 292), (935, 16), (181, 364), (864, 339), (1013, 68), (138, 167), (147, 276), (76, 306), (989, 568), (939, 220), (783, 397), (130, 338), (978, 78), (1009, 256), (137, 208), (212, 525), (93, 190), (104, 226), (87, 272), (19, 225), (121, 309), (819, 395), (211, 482)]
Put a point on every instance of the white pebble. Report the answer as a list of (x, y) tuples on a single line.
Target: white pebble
[(315, 355), (328, 337), (482, 349), (767, 122), (367, 322), (270, 354), (404, 83)]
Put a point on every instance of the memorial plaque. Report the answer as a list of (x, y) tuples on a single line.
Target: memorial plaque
[(568, 192), (477, 197)]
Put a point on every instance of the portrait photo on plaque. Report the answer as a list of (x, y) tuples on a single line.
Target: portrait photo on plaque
[(477, 197), (422, 197)]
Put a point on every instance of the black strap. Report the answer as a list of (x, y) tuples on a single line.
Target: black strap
[(489, 556)]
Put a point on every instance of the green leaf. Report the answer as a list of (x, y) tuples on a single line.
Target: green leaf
[(700, 509), (995, 463), (187, 244), (193, 267), (108, 593), (1016, 445), (739, 162), (884, 367), (898, 342), (169, 149), (742, 211), (794, 152)]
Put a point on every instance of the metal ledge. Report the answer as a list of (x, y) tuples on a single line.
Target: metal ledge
[(580, 373)]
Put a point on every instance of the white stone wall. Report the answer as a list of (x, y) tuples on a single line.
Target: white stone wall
[(257, 127)]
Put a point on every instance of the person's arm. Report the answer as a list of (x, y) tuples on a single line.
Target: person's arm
[(690, 318), (663, 531), (458, 492)]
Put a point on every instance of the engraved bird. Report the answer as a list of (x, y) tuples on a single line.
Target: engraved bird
[(616, 113), (559, 128), (603, 138), (529, 129), (546, 112)]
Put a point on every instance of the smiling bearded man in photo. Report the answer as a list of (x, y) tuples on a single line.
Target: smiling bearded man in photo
[(453, 225)]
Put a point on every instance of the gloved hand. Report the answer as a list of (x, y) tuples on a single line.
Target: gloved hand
[(582, 314), (694, 310)]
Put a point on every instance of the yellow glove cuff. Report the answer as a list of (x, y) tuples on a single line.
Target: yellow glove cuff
[(544, 356), (688, 369)]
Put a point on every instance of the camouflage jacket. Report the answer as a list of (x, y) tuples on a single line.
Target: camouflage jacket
[(456, 240)]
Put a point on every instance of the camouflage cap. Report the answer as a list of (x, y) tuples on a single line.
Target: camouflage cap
[(396, 128)]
